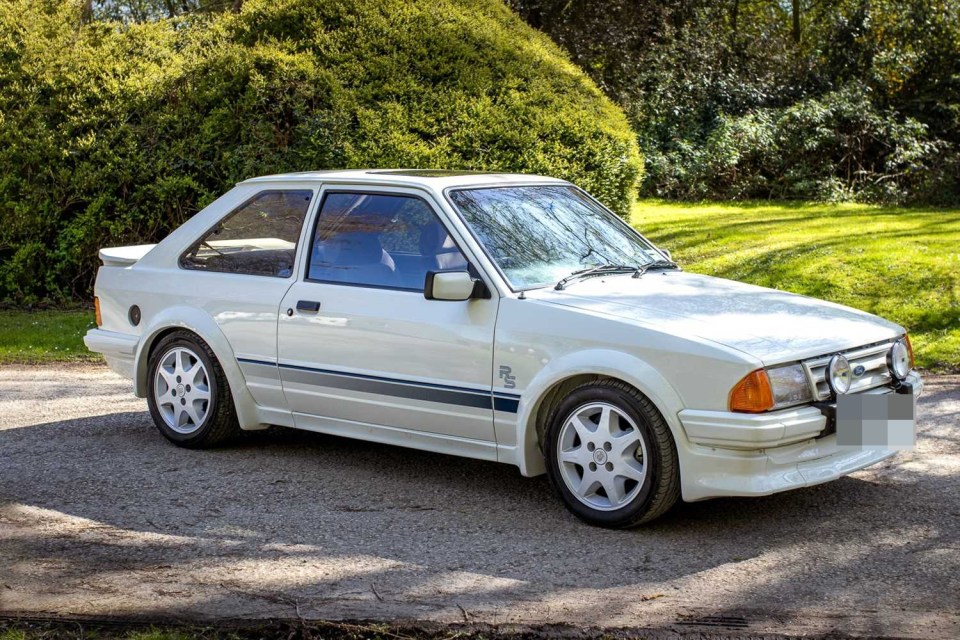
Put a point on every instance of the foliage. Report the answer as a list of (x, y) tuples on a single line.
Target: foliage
[(900, 263), (115, 133), (857, 99), (145, 10), (833, 148)]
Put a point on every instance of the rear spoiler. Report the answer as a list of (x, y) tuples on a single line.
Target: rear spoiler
[(124, 256)]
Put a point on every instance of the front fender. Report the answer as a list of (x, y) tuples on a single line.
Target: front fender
[(602, 362), (201, 323)]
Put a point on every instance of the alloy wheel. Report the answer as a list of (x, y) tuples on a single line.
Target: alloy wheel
[(602, 456), (182, 390)]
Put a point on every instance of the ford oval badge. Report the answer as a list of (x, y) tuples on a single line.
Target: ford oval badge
[(858, 370)]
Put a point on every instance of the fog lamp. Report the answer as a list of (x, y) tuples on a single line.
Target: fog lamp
[(839, 375), (898, 360)]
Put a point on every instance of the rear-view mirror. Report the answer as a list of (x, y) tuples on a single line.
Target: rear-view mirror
[(449, 285)]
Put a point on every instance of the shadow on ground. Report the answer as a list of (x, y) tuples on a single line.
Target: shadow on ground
[(102, 514)]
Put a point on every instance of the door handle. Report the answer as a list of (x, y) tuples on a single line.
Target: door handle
[(308, 305)]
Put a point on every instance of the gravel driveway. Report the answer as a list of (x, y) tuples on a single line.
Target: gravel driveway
[(100, 516)]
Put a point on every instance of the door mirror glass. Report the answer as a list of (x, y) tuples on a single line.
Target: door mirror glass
[(448, 285)]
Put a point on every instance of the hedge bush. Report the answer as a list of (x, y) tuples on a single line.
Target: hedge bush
[(115, 134), (835, 147)]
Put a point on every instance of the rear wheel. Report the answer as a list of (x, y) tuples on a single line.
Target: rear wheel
[(188, 394), (611, 456)]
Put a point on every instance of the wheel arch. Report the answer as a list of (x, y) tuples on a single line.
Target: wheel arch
[(203, 326), (563, 374)]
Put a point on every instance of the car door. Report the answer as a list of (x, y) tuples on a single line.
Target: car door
[(362, 352)]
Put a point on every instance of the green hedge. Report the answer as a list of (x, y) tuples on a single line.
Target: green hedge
[(115, 134), (833, 148)]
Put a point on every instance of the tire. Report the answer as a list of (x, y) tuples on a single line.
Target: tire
[(188, 393), (611, 457)]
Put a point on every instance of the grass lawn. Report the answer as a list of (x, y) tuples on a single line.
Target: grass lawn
[(44, 336), (902, 264)]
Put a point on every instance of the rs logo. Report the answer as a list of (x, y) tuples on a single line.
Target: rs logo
[(509, 380)]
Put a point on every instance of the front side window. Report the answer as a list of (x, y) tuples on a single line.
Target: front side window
[(380, 240), (259, 238), (539, 234)]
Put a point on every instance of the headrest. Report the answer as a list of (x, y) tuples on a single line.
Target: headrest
[(434, 239)]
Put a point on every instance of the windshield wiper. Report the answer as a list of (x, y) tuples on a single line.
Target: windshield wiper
[(656, 264), (591, 272), (604, 269)]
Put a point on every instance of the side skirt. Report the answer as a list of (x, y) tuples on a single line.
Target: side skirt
[(451, 445)]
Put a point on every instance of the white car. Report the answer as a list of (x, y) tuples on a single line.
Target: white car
[(501, 317)]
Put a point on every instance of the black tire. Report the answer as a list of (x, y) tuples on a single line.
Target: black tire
[(219, 422), (660, 488)]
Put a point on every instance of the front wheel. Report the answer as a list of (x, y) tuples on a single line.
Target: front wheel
[(188, 394), (611, 457)]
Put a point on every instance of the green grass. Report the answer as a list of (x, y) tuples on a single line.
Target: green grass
[(902, 264), (44, 336)]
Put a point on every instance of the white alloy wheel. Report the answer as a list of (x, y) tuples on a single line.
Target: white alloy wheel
[(602, 456), (182, 390)]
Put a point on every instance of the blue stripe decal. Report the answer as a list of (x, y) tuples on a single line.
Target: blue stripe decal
[(507, 405), (447, 394), (363, 376), (260, 362)]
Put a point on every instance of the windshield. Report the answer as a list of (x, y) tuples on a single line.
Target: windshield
[(540, 234)]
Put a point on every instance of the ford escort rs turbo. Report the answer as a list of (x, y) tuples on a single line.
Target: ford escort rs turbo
[(509, 318)]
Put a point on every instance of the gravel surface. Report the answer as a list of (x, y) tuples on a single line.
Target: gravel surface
[(99, 515)]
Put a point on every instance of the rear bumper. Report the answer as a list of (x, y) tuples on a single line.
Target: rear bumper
[(118, 349), (730, 454)]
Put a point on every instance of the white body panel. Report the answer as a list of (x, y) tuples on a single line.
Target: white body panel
[(335, 362), (771, 325), (470, 378)]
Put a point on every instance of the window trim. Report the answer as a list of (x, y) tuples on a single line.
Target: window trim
[(235, 211), (483, 246), (371, 192)]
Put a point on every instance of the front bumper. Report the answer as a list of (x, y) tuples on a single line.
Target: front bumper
[(118, 349), (735, 454)]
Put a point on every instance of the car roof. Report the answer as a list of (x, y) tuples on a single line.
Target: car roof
[(433, 178)]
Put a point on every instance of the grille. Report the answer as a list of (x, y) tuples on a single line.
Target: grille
[(873, 358)]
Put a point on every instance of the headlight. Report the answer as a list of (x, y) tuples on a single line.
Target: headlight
[(766, 389), (790, 386), (899, 360), (839, 375)]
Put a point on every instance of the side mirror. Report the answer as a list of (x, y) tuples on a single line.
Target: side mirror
[(666, 252), (449, 285)]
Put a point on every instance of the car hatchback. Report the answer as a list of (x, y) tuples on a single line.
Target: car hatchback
[(503, 317)]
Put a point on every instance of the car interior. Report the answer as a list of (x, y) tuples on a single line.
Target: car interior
[(380, 240)]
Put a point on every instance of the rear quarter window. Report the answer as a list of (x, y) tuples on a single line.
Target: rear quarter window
[(258, 238)]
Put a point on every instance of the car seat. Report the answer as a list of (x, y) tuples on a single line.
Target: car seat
[(355, 257), (438, 249)]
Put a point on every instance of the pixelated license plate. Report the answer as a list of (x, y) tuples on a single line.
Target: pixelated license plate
[(874, 421)]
